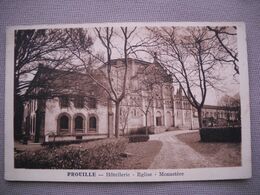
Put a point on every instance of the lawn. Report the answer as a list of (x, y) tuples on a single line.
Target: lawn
[(224, 154)]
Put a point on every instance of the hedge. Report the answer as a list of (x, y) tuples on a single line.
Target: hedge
[(141, 131), (138, 138), (103, 154), (224, 134)]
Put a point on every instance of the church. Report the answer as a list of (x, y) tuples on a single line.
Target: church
[(70, 105)]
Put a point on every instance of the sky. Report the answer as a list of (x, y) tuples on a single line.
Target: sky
[(229, 85)]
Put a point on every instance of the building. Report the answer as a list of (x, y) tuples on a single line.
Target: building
[(70, 105), (221, 115)]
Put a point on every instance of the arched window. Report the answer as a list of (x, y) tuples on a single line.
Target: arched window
[(64, 123), (79, 123), (92, 123)]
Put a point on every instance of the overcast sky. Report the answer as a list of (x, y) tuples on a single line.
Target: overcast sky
[(229, 85)]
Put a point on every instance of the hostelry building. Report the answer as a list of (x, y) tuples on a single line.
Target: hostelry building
[(69, 105)]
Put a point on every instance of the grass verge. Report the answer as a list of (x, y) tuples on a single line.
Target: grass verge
[(224, 154)]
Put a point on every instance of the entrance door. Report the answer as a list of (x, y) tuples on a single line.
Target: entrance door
[(158, 121)]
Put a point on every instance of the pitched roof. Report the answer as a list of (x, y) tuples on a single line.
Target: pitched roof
[(55, 82)]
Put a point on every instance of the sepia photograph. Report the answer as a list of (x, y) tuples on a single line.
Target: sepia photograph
[(127, 102)]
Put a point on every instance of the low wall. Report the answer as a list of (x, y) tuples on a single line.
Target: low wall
[(220, 134), (74, 137)]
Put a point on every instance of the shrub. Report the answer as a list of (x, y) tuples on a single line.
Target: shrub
[(224, 134), (141, 131), (103, 154), (138, 138)]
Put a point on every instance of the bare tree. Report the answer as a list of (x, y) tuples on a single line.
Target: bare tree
[(31, 48), (227, 38), (113, 41), (189, 55)]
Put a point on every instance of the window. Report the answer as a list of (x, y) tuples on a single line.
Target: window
[(134, 112), (186, 105), (64, 122), (92, 123), (92, 103), (64, 102), (79, 102), (178, 105), (79, 123), (77, 85), (41, 104)]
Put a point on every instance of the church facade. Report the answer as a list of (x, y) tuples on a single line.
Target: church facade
[(64, 105)]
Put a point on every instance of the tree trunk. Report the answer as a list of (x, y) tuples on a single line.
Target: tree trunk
[(173, 116), (117, 119), (146, 128), (18, 116), (199, 117)]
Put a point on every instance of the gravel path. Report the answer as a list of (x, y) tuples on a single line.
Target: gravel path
[(176, 154)]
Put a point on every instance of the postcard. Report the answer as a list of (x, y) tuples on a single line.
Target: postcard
[(127, 102)]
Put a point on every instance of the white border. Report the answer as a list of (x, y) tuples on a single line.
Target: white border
[(243, 172)]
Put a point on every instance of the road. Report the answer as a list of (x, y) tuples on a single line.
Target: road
[(176, 154)]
